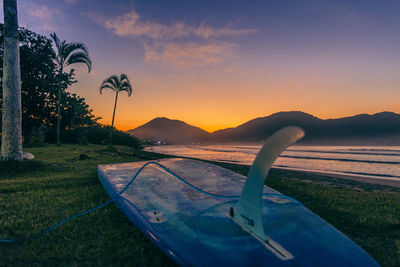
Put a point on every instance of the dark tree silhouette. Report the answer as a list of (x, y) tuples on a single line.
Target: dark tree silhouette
[(67, 54), (39, 89)]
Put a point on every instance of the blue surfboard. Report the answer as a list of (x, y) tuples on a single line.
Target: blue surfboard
[(200, 214)]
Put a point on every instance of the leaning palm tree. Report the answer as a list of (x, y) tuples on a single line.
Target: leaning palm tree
[(117, 84), (67, 54), (11, 135)]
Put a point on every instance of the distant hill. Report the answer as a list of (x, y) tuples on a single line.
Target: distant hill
[(170, 131), (259, 129), (378, 129)]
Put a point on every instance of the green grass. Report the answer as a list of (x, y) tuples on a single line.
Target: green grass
[(61, 182), (60, 185)]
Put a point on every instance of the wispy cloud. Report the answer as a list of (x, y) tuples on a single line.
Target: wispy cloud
[(189, 54), (44, 15), (130, 24), (176, 43)]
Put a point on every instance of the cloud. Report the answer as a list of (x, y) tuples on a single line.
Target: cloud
[(177, 43), (190, 54), (39, 11), (45, 16), (207, 31), (130, 24)]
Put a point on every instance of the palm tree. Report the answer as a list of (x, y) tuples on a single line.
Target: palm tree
[(67, 54), (11, 145), (117, 84)]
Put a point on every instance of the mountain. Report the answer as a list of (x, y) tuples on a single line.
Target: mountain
[(259, 129), (170, 131), (378, 129)]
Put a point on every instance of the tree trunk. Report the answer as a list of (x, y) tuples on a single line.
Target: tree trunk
[(73, 115), (59, 108), (58, 116), (11, 145), (112, 122)]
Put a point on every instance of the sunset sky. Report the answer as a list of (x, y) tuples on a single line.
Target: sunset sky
[(217, 64)]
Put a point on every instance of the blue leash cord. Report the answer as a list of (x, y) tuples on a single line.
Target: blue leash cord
[(121, 192)]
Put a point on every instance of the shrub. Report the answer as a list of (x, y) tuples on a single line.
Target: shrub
[(83, 141), (35, 137), (99, 134)]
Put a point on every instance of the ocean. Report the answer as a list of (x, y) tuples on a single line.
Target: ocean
[(371, 162)]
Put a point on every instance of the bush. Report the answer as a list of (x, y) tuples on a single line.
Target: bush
[(83, 141), (34, 138), (100, 134)]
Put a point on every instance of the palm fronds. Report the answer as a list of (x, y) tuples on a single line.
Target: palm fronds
[(66, 54), (117, 84), (71, 53)]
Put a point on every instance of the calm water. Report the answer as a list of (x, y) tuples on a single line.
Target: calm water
[(381, 162)]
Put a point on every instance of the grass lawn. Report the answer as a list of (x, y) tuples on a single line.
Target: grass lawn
[(61, 182)]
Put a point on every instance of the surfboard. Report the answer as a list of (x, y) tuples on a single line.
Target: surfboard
[(200, 214)]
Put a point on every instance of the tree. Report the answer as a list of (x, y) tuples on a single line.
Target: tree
[(76, 113), (67, 54), (117, 84), (39, 88), (11, 145), (39, 80)]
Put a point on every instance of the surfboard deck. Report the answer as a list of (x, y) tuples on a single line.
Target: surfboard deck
[(196, 229)]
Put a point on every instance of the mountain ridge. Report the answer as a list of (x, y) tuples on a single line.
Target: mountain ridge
[(381, 128), (162, 129)]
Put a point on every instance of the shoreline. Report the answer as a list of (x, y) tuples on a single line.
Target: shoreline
[(383, 181), (350, 181)]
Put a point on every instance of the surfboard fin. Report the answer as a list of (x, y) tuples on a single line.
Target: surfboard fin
[(248, 210)]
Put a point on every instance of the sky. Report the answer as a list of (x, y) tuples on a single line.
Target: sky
[(217, 64)]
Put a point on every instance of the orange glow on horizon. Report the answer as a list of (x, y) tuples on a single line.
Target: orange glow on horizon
[(215, 98), (210, 127)]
